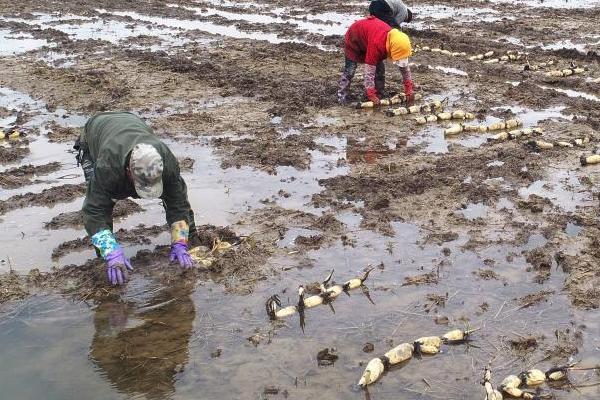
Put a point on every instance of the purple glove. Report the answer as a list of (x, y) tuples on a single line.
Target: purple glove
[(179, 252), (115, 261)]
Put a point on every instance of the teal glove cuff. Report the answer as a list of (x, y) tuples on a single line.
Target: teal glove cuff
[(105, 242)]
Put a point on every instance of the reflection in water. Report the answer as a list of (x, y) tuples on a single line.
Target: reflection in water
[(140, 350), (362, 152)]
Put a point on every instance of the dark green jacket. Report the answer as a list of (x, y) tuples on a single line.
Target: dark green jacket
[(109, 138)]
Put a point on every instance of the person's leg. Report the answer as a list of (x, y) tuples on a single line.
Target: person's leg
[(380, 79), (345, 80)]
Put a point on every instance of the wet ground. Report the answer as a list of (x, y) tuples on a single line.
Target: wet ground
[(462, 231)]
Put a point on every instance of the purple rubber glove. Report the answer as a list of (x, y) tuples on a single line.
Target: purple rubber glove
[(115, 261), (179, 252)]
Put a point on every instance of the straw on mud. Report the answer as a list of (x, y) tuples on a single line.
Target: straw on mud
[(500, 309)]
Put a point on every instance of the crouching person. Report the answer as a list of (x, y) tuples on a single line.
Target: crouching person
[(121, 157), (371, 41)]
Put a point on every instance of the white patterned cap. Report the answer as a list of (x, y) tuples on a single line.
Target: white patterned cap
[(146, 166)]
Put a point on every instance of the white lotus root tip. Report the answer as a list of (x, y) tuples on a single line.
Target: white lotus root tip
[(372, 372)]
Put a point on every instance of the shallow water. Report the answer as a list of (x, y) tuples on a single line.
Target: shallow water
[(173, 343), (14, 44), (553, 3)]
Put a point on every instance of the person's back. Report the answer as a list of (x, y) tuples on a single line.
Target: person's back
[(121, 157), (116, 133), (366, 41)]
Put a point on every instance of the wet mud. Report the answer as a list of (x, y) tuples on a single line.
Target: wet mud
[(47, 197), (24, 175), (122, 208)]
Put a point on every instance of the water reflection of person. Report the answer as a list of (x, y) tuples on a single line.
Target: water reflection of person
[(141, 349)]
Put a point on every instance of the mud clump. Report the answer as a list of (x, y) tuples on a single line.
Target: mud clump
[(326, 357), (441, 237), (12, 153), (267, 152), (428, 278), (583, 281), (123, 208), (186, 163), (61, 134), (534, 298), (486, 274), (541, 263), (139, 235), (208, 234), (311, 242), (47, 198), (524, 344), (11, 287), (21, 176), (534, 203)]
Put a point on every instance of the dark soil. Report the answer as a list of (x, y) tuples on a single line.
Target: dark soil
[(46, 198), (21, 176), (267, 151), (59, 133), (122, 208), (141, 234), (12, 153)]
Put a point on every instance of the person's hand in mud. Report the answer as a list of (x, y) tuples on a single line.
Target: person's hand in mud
[(118, 267), (372, 96), (179, 240), (179, 253)]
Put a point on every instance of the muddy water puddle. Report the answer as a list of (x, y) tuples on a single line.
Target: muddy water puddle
[(18, 43), (573, 93), (563, 189), (553, 3), (184, 338)]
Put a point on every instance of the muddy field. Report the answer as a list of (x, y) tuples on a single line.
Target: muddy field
[(462, 231)]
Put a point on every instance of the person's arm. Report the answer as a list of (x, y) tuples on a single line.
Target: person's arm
[(370, 89), (97, 217), (177, 208), (175, 199), (404, 68), (97, 208)]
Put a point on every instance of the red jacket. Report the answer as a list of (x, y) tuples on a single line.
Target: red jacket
[(366, 41)]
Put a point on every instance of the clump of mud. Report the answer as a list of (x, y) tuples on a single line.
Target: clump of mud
[(11, 287), (429, 278), (186, 163), (541, 263), (74, 219), (47, 198), (22, 176), (208, 234), (534, 298), (266, 151), (141, 234), (59, 133), (12, 153)]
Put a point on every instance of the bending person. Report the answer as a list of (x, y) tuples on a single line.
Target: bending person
[(121, 157), (371, 41)]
